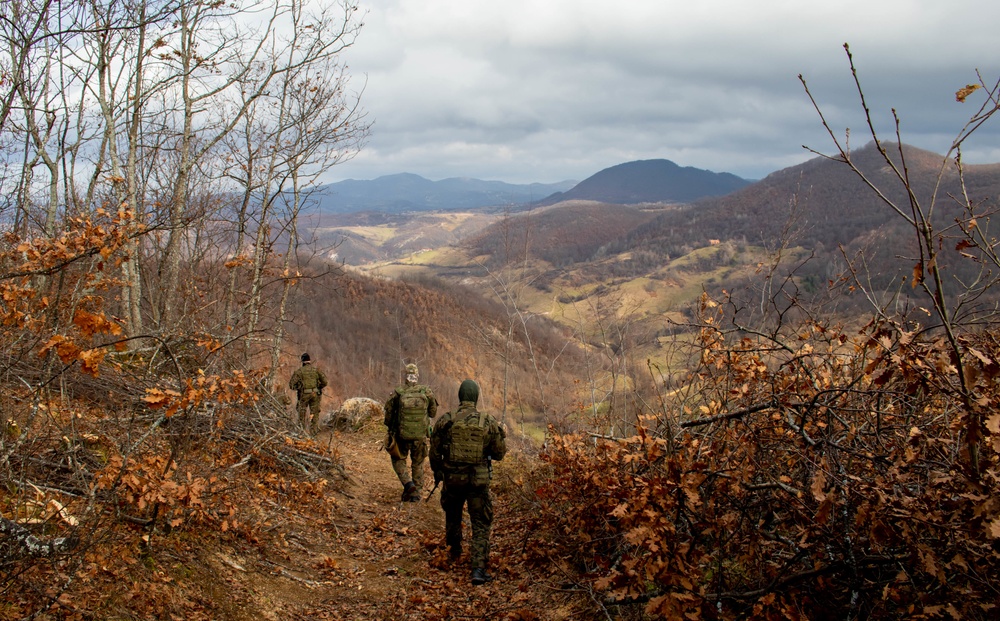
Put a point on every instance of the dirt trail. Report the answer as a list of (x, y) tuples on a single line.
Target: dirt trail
[(375, 557), (381, 543)]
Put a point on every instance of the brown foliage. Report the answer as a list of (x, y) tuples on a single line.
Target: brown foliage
[(840, 478), (107, 455)]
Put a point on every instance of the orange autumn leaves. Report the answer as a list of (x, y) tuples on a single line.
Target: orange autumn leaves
[(201, 390), (70, 351)]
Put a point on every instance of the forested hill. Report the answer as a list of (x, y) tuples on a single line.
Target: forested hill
[(363, 329), (819, 202), (571, 232), (822, 206), (649, 181)]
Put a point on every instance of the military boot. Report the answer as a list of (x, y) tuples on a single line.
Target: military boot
[(410, 491), (415, 492), (479, 576)]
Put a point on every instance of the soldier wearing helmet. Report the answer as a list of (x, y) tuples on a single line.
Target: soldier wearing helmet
[(308, 383)]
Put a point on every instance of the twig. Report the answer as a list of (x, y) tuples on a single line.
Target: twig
[(776, 484), (728, 415), (32, 545)]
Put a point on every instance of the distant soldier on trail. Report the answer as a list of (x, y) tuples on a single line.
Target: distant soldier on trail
[(463, 446), (308, 383), (408, 414)]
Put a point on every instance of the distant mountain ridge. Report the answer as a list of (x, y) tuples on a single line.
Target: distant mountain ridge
[(631, 183), (650, 181), (406, 192)]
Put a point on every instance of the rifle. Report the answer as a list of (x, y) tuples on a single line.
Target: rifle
[(437, 482), (394, 417)]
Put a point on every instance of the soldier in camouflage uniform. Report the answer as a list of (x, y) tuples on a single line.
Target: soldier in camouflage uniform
[(408, 414), (308, 383), (463, 446)]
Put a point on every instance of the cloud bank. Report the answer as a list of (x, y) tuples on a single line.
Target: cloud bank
[(549, 90)]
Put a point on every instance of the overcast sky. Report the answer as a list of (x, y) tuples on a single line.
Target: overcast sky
[(548, 90)]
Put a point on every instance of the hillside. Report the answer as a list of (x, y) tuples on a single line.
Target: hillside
[(649, 181), (372, 236), (567, 233), (364, 329)]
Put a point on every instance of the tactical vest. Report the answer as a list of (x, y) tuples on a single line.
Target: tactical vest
[(413, 420), (310, 378), (468, 434)]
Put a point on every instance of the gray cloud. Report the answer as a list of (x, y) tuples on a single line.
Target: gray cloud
[(545, 90)]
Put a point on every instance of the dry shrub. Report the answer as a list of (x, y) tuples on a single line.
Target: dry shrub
[(110, 443), (834, 477)]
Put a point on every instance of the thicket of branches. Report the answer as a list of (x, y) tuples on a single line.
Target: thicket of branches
[(155, 156), (105, 448), (809, 467)]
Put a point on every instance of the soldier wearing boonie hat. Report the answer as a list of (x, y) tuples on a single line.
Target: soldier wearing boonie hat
[(408, 414)]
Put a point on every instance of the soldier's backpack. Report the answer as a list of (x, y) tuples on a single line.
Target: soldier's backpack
[(413, 420)]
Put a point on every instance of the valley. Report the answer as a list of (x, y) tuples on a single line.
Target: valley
[(815, 218), (625, 280)]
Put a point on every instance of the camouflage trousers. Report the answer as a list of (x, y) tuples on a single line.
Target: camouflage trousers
[(453, 499), (417, 452), (309, 405)]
